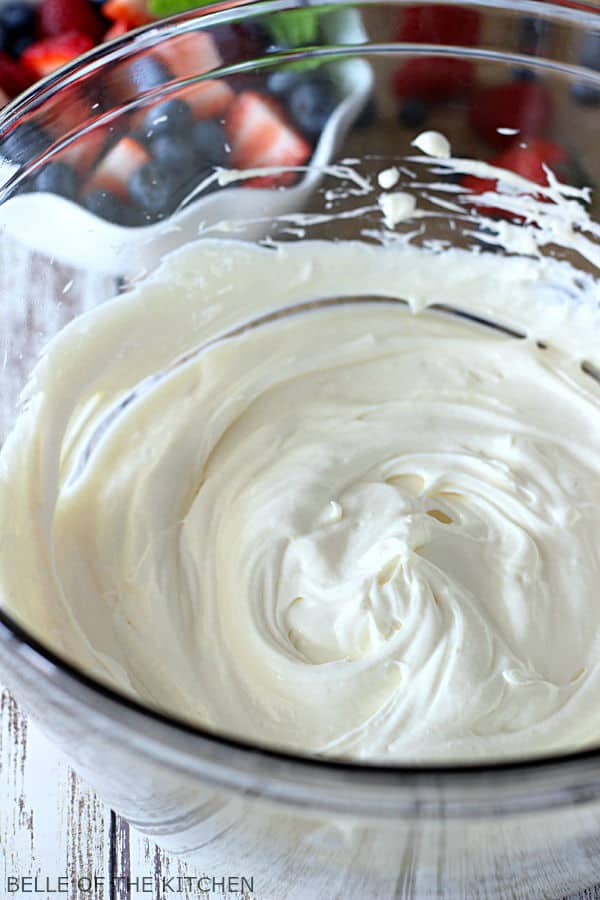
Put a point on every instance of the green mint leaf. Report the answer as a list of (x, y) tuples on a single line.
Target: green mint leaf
[(294, 27)]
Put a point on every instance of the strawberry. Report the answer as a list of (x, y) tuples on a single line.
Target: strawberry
[(433, 79), (44, 56), (85, 150), (441, 24), (57, 16), (260, 135), (525, 106), (526, 160), (132, 12), (190, 54), (208, 99), (113, 172), (117, 29), (14, 75)]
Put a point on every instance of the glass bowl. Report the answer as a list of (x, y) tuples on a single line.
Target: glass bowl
[(75, 234)]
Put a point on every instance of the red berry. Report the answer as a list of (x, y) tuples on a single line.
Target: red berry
[(57, 16), (522, 106), (527, 161), (14, 75), (117, 29), (208, 99), (190, 54), (44, 56), (261, 136), (116, 168), (133, 12), (439, 25), (433, 78)]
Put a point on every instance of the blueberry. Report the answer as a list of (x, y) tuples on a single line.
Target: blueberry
[(108, 206), (413, 113), (147, 72), (585, 94), (590, 50), (20, 43), (367, 115), (311, 103), (174, 151), (4, 41), (17, 18), (154, 189), (282, 81), (533, 32), (24, 142), (523, 73), (210, 141), (57, 178), (168, 117)]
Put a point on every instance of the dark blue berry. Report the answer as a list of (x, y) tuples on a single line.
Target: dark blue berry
[(147, 72), (4, 40), (533, 32), (590, 51), (523, 73), (281, 82), (19, 44), (108, 206), (154, 190), (586, 94), (168, 117), (413, 113), (367, 115), (210, 142), (311, 103), (57, 178), (174, 151), (17, 18), (24, 143)]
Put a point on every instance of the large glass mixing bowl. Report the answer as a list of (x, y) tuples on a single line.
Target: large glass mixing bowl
[(307, 827)]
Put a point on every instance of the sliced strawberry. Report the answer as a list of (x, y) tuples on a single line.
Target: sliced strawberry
[(208, 99), (14, 75), (118, 29), (54, 17), (133, 12), (44, 56), (72, 111), (529, 162), (189, 54), (442, 24), (433, 78), (260, 135), (522, 106), (85, 150), (116, 168)]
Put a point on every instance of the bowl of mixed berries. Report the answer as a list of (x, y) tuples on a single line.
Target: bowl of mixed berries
[(193, 122)]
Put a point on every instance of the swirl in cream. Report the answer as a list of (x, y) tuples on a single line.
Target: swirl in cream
[(351, 530)]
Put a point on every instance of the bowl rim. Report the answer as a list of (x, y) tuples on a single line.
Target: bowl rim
[(15, 638)]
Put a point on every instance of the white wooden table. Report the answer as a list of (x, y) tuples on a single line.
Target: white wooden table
[(52, 825)]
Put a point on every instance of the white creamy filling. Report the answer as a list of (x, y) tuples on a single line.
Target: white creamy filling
[(353, 530)]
